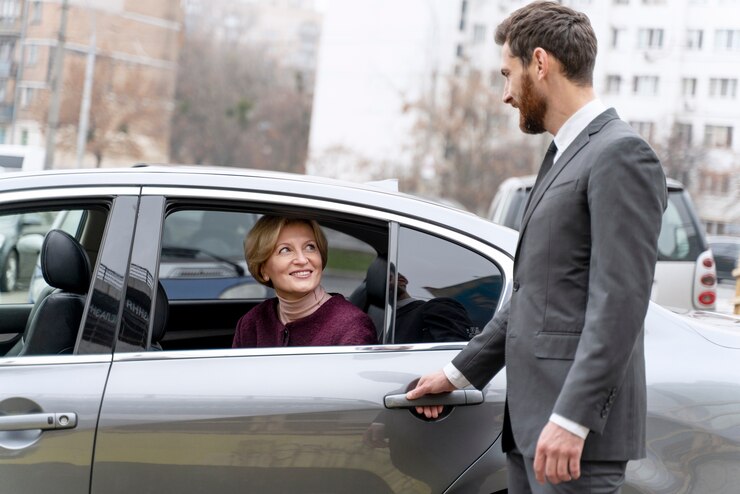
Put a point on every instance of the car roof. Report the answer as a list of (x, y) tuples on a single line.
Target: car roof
[(243, 179), (527, 182)]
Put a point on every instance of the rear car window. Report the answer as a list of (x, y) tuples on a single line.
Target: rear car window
[(680, 238)]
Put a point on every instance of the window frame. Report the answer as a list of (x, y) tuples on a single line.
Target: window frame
[(254, 201)]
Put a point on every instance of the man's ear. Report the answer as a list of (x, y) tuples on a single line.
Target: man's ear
[(542, 62)]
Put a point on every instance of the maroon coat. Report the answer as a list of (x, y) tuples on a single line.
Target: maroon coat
[(336, 322)]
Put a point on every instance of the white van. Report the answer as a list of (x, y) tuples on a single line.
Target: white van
[(16, 158), (685, 275)]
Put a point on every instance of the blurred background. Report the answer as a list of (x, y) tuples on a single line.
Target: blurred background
[(355, 89)]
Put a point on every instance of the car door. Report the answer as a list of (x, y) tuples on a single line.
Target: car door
[(291, 419), (49, 404)]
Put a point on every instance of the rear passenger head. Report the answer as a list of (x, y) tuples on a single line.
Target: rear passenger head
[(262, 239)]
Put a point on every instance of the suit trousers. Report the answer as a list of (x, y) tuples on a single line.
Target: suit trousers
[(597, 477)]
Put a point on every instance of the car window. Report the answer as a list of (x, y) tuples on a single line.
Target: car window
[(680, 239), (26, 311), (204, 274), (455, 290), (21, 236)]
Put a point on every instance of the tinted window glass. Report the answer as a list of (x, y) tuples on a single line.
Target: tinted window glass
[(446, 292), (679, 239)]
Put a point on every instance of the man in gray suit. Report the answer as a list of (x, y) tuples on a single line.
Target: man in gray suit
[(571, 336)]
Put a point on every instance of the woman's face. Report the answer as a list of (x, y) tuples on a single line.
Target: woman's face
[(295, 265)]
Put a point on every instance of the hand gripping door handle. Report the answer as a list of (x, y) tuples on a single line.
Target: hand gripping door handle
[(36, 421), (460, 397)]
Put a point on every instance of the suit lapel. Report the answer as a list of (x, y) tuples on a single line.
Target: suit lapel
[(570, 152)]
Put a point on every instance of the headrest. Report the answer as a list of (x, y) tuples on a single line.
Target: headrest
[(64, 263), (377, 281), (161, 312)]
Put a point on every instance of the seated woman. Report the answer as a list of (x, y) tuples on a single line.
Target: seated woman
[(289, 255)]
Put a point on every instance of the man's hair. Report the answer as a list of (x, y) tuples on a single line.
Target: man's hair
[(561, 31)]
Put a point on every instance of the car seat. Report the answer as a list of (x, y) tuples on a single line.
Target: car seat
[(54, 321)]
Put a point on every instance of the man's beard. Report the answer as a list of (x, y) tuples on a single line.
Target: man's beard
[(532, 108)]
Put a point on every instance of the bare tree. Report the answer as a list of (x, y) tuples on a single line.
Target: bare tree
[(467, 140), (127, 110), (681, 159), (236, 107)]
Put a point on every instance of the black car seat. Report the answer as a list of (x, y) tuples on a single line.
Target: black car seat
[(370, 295), (54, 321), (161, 314)]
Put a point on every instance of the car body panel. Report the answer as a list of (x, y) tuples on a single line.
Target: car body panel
[(255, 420)]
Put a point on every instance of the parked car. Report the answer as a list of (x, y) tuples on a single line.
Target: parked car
[(726, 251), (685, 274), (20, 241), (111, 388)]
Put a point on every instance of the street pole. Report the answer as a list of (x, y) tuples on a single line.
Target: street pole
[(56, 89), (84, 121), (19, 73)]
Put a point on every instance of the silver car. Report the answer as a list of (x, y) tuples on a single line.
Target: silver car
[(109, 385)]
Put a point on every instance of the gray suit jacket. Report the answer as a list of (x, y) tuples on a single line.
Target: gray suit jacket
[(571, 336)]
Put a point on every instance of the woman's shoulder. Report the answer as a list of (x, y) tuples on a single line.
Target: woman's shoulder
[(261, 311)]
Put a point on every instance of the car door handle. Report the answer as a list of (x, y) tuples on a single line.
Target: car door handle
[(460, 397), (36, 421)]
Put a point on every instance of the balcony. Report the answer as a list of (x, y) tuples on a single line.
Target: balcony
[(10, 26)]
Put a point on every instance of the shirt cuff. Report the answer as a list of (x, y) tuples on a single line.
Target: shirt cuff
[(455, 376), (569, 425)]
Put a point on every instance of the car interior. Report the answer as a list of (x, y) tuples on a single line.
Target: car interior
[(195, 309)]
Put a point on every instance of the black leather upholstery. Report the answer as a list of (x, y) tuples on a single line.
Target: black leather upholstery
[(53, 325), (161, 314), (64, 263), (370, 295)]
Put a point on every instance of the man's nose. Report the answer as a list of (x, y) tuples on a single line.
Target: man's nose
[(506, 96)]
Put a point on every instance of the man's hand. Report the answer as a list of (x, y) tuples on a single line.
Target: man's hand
[(558, 455), (434, 383)]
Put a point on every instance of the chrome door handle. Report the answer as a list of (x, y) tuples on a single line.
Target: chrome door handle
[(36, 421), (460, 397)]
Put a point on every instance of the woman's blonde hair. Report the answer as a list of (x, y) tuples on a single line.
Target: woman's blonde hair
[(262, 239)]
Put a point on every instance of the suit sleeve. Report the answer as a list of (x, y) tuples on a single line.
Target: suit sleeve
[(626, 200), (483, 356)]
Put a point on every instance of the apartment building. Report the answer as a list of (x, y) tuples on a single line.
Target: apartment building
[(669, 67), (124, 51)]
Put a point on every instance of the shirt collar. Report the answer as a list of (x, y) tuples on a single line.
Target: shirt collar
[(576, 123)]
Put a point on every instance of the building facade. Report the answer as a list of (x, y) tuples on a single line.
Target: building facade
[(119, 55)]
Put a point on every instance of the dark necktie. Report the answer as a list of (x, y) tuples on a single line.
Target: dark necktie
[(546, 164), (544, 168)]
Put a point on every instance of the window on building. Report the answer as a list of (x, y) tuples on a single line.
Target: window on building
[(645, 129), (9, 11), (24, 137), (463, 12), (613, 83), (727, 39), (32, 54), (479, 33), (683, 132), (3, 132), (36, 9), (6, 50), (694, 39), (722, 88), (617, 34), (650, 38), (621, 2), (688, 86), (718, 136), (645, 85), (27, 96), (3, 91)]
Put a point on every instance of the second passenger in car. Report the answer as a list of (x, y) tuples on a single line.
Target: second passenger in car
[(289, 255)]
